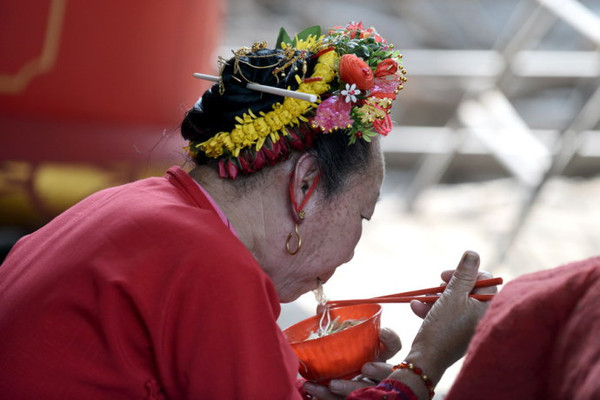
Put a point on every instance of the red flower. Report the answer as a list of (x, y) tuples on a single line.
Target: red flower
[(352, 29), (232, 169), (383, 126), (295, 140), (277, 151), (259, 161), (245, 165), (354, 69), (355, 26), (386, 67), (222, 170), (272, 152), (309, 136), (371, 32)]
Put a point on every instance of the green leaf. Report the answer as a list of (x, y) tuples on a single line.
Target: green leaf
[(311, 30), (282, 37)]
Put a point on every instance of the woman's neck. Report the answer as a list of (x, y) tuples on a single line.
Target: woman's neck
[(250, 210)]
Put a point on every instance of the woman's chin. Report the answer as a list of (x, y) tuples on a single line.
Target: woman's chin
[(287, 296)]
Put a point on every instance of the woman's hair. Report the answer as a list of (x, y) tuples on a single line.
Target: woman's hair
[(338, 161), (217, 109)]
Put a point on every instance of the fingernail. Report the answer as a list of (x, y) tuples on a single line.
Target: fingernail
[(309, 387), (470, 258), (385, 333), (368, 369)]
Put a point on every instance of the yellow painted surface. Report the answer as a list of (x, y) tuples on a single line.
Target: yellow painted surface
[(32, 194)]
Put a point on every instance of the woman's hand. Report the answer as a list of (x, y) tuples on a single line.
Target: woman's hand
[(443, 338), (450, 322), (371, 373)]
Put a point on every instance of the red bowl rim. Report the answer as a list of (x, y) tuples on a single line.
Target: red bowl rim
[(376, 306)]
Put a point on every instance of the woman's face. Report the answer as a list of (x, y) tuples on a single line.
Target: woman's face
[(331, 231)]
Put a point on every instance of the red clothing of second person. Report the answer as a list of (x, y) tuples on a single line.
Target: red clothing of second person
[(540, 339)]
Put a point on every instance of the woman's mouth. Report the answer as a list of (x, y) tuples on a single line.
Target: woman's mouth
[(324, 278)]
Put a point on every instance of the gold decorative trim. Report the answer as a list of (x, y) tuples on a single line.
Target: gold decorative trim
[(15, 84)]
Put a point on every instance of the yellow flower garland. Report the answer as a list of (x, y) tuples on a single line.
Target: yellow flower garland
[(252, 130)]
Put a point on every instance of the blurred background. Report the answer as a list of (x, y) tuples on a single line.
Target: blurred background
[(496, 145)]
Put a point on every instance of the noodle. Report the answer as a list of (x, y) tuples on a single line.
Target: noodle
[(320, 293), (325, 315), (326, 325)]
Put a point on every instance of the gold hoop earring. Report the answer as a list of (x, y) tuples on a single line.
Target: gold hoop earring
[(287, 242)]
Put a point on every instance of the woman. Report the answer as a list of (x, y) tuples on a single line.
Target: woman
[(170, 287)]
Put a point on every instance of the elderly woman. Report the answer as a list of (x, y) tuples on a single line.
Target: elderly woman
[(170, 287)]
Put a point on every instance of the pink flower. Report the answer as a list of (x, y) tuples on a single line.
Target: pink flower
[(333, 113), (386, 86)]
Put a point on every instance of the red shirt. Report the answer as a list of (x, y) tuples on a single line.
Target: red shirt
[(140, 292)]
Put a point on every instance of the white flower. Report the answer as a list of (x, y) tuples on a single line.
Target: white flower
[(350, 93)]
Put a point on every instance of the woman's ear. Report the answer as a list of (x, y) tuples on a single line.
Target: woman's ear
[(303, 182)]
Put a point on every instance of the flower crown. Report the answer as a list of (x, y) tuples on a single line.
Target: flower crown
[(355, 79)]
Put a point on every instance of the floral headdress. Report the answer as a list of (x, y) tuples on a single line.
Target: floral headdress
[(355, 79)]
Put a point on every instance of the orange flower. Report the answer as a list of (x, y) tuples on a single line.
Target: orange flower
[(354, 69), (386, 67)]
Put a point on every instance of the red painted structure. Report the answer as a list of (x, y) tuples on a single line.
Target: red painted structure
[(91, 95)]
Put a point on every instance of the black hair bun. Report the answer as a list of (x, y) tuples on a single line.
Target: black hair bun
[(216, 112)]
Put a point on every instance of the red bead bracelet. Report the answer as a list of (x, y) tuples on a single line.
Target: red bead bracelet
[(418, 371)]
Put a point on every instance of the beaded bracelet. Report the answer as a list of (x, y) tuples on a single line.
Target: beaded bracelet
[(418, 371)]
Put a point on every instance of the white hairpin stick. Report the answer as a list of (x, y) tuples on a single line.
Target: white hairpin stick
[(266, 89)]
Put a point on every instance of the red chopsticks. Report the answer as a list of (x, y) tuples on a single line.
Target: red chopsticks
[(423, 295)]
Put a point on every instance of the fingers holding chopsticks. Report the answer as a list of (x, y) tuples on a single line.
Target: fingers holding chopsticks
[(465, 279), (482, 276), (448, 326)]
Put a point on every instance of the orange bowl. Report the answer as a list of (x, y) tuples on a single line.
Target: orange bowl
[(340, 354)]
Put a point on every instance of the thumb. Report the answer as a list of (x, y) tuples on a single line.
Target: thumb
[(465, 275)]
